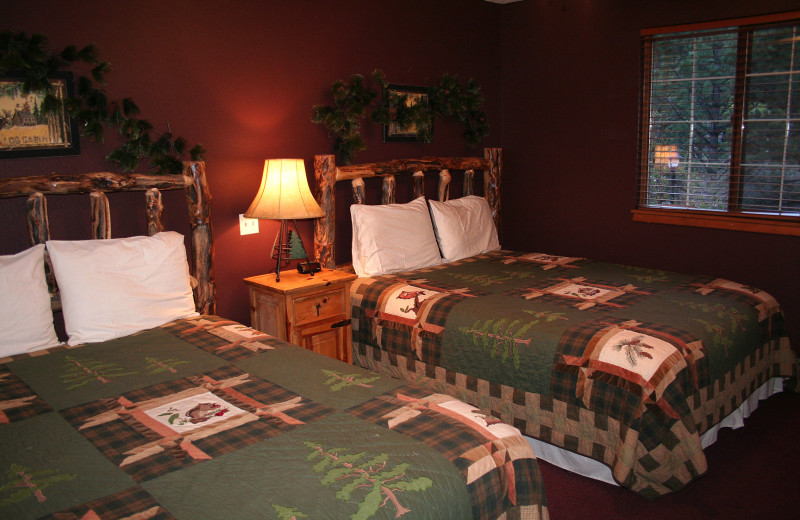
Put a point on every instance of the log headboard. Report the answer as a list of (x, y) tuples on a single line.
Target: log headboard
[(198, 198), (327, 174)]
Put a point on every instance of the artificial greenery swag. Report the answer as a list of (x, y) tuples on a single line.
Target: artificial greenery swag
[(352, 100), (28, 58)]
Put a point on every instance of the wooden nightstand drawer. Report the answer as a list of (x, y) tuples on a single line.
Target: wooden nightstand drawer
[(310, 311), (318, 306), (326, 336)]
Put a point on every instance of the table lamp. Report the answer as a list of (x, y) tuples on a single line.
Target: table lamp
[(284, 195)]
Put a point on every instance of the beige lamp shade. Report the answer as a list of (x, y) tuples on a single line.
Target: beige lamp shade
[(284, 192), (666, 155)]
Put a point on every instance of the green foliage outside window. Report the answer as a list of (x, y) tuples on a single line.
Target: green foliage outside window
[(727, 101)]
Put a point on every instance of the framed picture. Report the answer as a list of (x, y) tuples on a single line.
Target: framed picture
[(412, 96), (25, 131)]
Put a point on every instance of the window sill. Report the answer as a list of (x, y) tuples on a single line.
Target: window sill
[(732, 221)]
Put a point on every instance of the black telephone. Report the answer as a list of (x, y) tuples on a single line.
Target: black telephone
[(309, 267)]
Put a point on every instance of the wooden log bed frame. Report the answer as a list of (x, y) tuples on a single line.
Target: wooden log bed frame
[(96, 185), (327, 174)]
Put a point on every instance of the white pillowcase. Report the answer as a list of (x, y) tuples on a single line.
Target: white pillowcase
[(112, 288), (464, 227), (25, 313), (392, 238)]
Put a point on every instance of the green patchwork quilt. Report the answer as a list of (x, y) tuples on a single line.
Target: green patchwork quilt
[(625, 365), (204, 418)]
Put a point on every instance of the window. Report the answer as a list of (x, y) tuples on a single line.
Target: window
[(720, 125)]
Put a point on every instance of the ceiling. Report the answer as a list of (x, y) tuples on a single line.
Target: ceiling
[(502, 1)]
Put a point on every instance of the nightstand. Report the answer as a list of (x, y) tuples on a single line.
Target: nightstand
[(310, 311)]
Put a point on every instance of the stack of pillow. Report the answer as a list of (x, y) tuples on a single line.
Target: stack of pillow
[(113, 288), (109, 288), (403, 237)]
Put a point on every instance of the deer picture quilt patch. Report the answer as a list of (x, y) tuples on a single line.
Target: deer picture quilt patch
[(416, 310), (583, 293)]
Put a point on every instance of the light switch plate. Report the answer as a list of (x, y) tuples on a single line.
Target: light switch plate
[(247, 226)]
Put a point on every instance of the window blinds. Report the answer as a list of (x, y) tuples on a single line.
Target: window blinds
[(720, 127)]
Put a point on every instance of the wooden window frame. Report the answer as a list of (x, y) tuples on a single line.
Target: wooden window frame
[(731, 220)]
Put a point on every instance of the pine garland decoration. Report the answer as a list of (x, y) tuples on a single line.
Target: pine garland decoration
[(343, 119), (29, 58), (463, 104), (352, 101)]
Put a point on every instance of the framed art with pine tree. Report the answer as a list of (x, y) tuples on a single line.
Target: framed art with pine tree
[(410, 117), (36, 123)]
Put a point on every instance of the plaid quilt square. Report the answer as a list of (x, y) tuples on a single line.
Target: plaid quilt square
[(488, 453), (125, 505), (17, 400), (226, 339), (549, 262), (163, 428), (582, 293), (404, 319), (656, 365)]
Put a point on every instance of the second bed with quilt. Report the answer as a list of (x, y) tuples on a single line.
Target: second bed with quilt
[(630, 367)]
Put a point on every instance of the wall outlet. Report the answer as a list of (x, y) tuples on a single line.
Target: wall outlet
[(247, 226)]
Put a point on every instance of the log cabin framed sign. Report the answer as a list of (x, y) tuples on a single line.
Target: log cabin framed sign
[(410, 114), (28, 131)]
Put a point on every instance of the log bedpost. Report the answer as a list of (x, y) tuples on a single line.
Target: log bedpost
[(154, 208), (198, 197), (444, 185), (39, 232), (325, 226), (419, 184), (492, 182), (468, 188), (358, 190), (38, 221), (100, 215), (388, 190)]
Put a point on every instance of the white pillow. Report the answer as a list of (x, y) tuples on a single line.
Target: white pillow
[(25, 313), (464, 227), (112, 288), (392, 238)]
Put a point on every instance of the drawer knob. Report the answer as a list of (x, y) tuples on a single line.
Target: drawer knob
[(319, 305)]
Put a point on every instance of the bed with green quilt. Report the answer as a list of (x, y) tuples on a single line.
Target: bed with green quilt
[(156, 408), (632, 370), (623, 365), (205, 418)]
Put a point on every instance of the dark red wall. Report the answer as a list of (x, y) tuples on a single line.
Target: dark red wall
[(570, 109), (560, 78), (241, 78)]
